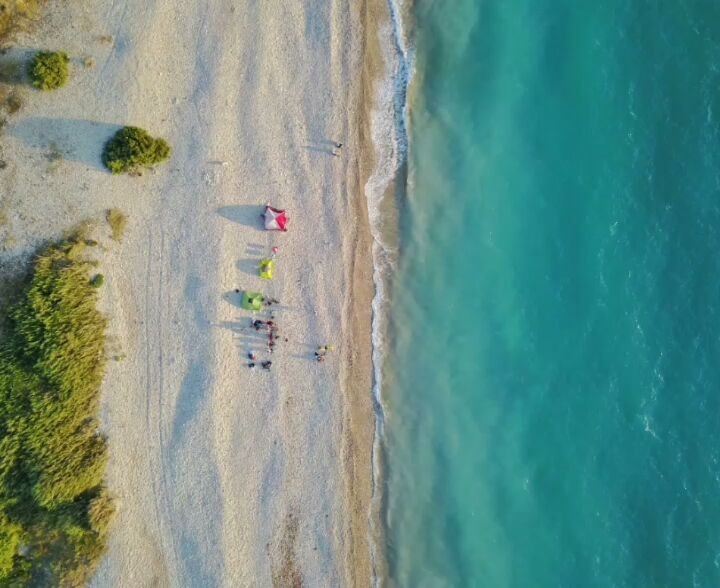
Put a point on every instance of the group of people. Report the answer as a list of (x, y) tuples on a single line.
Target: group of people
[(266, 365), (273, 337), (271, 325), (322, 351), (272, 330)]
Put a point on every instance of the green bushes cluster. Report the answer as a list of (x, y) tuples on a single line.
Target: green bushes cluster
[(54, 509), (132, 148), (49, 70)]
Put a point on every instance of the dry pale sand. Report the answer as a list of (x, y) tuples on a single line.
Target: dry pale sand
[(224, 476)]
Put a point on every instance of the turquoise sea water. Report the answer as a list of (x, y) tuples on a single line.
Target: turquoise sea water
[(553, 386)]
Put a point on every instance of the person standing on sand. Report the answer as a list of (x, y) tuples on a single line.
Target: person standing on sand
[(322, 351)]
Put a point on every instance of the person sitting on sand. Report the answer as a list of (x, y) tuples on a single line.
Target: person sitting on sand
[(257, 323), (266, 364), (251, 365)]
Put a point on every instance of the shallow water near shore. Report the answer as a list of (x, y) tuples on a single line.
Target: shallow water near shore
[(551, 387)]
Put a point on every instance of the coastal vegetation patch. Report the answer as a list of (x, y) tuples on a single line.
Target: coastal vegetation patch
[(49, 70), (54, 507), (132, 149)]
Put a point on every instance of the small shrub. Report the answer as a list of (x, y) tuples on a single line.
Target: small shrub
[(118, 222), (54, 153), (132, 148), (97, 280), (13, 103), (49, 70)]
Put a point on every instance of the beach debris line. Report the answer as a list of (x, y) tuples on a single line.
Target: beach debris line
[(276, 219)]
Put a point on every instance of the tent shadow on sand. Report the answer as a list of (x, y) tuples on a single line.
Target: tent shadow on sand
[(250, 265), (234, 298), (72, 139), (249, 215)]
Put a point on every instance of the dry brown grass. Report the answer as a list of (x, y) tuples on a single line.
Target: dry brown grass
[(17, 14), (118, 223), (13, 103)]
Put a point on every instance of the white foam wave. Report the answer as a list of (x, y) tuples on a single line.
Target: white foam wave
[(389, 124)]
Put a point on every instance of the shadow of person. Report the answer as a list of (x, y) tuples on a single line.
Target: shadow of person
[(330, 143), (75, 139), (325, 150), (249, 215)]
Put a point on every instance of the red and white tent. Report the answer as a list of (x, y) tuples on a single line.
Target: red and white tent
[(275, 219)]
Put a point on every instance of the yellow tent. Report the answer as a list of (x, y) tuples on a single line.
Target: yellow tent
[(267, 267)]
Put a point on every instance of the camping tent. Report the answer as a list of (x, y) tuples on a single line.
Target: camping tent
[(275, 219), (252, 301), (267, 267)]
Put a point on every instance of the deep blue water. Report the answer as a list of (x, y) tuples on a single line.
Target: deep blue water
[(553, 390)]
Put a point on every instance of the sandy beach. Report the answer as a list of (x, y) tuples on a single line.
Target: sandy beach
[(224, 476)]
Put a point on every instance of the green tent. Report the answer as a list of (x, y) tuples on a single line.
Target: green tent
[(267, 267), (252, 301)]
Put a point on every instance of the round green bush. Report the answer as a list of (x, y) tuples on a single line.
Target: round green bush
[(97, 280), (49, 70), (132, 148)]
